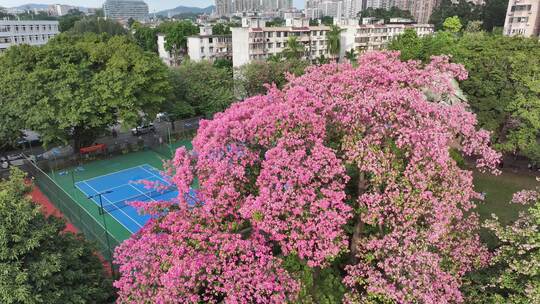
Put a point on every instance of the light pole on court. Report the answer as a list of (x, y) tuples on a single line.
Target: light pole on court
[(102, 212)]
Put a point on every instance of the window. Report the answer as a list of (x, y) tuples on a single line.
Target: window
[(278, 34), (210, 40)]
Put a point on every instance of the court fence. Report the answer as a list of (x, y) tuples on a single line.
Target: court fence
[(74, 213)]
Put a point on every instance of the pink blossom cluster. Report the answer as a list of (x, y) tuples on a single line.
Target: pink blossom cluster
[(285, 172), (182, 258), (525, 197)]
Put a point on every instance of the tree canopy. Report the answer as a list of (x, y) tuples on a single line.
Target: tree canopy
[(75, 87), (41, 263), (344, 175), (176, 33), (501, 87), (199, 88), (491, 13), (384, 14), (252, 79), (98, 26)]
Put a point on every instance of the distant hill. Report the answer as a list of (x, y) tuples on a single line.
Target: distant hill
[(186, 10), (31, 6)]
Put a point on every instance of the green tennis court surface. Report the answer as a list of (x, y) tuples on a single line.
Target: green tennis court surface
[(68, 178)]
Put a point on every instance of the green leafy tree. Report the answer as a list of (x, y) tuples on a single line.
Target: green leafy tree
[(252, 78), (409, 44), (41, 263), (145, 37), (474, 26), (176, 34), (465, 10), (452, 24), (67, 21), (98, 26), (351, 55), (327, 20), (514, 274), (334, 43), (276, 22), (384, 14), (502, 88), (200, 88), (494, 13), (76, 87), (294, 49)]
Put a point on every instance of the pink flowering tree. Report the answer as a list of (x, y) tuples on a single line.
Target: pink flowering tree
[(346, 168)]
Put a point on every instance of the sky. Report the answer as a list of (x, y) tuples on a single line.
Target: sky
[(155, 5)]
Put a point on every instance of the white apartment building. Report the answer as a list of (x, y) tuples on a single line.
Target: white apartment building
[(522, 18), (254, 41), (32, 32), (207, 46), (368, 37)]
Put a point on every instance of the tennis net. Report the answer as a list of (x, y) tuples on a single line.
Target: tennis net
[(139, 197)]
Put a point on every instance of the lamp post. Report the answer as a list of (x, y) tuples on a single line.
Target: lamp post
[(102, 212)]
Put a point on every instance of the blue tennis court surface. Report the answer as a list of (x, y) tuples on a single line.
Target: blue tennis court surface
[(123, 187)]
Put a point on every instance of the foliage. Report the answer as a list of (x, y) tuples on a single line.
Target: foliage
[(452, 24), (334, 40), (176, 34), (41, 263), (494, 14), (252, 78), (351, 55), (327, 20), (278, 21), (491, 14), (98, 26), (75, 87), (384, 14), (145, 37), (342, 164), (200, 88), (514, 273), (223, 28), (294, 49), (502, 88), (67, 21)]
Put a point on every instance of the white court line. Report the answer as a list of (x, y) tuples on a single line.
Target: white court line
[(120, 209), (159, 177), (108, 174)]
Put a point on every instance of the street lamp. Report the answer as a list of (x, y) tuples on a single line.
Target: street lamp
[(102, 212)]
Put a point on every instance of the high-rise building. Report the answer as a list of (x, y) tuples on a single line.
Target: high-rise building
[(32, 32), (229, 7), (60, 9), (125, 9), (421, 9), (523, 18)]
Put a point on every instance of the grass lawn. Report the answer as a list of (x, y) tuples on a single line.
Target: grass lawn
[(499, 191)]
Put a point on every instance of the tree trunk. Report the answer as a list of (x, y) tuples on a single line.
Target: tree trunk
[(359, 226)]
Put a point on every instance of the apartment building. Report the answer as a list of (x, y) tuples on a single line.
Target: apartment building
[(207, 46), (231, 7), (368, 37), (32, 32), (522, 18), (254, 41)]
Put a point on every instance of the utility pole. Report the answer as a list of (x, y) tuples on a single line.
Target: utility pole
[(102, 212)]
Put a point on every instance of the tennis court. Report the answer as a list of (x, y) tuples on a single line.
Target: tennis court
[(119, 189)]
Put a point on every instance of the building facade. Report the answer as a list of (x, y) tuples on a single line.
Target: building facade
[(207, 46), (522, 18), (60, 9), (32, 32), (256, 42), (368, 37), (232, 7), (125, 9)]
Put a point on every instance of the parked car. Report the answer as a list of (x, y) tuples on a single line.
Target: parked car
[(143, 129), (29, 139)]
